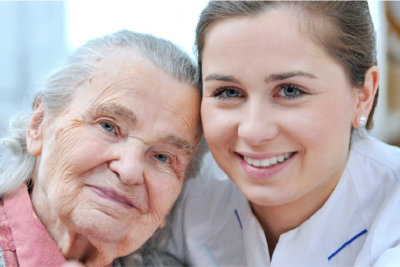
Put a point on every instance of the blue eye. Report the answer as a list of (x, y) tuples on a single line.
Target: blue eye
[(161, 157), (107, 126), (227, 93), (290, 91)]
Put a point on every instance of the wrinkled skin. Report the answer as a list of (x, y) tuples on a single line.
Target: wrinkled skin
[(112, 164)]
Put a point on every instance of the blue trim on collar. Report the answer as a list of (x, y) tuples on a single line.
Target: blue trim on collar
[(237, 216), (347, 243)]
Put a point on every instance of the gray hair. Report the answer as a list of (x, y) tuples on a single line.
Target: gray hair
[(17, 164)]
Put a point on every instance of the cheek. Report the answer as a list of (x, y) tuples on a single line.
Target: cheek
[(219, 126), (163, 194), (66, 157), (81, 149), (323, 135), (320, 122)]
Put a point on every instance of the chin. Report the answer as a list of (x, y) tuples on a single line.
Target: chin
[(264, 197), (101, 227)]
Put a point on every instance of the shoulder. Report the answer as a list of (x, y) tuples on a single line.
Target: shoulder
[(375, 171), (373, 165), (367, 151), (383, 239)]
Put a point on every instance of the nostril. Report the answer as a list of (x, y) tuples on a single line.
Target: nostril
[(128, 162), (111, 167), (255, 134)]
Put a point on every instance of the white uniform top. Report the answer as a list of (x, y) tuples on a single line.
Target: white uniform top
[(359, 225)]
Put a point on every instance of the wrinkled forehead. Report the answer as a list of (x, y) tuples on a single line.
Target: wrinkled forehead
[(119, 63), (135, 90)]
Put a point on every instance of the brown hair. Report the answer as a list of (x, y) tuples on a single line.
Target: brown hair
[(351, 40)]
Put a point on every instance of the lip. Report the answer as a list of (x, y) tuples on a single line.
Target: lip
[(262, 156), (263, 172), (110, 194)]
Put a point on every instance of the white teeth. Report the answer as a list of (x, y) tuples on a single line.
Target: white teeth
[(267, 162)]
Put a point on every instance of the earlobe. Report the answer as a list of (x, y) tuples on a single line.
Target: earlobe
[(34, 133), (364, 97)]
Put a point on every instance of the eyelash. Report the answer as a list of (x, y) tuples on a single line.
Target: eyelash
[(168, 158), (222, 93), (115, 129), (298, 90)]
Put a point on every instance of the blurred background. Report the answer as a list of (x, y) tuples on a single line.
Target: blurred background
[(37, 35)]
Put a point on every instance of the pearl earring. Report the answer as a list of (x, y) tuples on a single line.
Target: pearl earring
[(362, 121)]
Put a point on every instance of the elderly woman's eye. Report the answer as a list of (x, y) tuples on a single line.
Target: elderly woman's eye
[(107, 126), (162, 158)]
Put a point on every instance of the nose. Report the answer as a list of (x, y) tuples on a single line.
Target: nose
[(258, 123), (129, 163)]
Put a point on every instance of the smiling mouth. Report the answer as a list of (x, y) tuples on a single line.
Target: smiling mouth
[(268, 162), (112, 195)]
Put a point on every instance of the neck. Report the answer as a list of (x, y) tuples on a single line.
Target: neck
[(279, 219)]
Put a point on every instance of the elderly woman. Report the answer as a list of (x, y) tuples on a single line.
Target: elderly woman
[(92, 173)]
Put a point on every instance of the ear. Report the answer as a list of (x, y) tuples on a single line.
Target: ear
[(34, 133), (364, 96)]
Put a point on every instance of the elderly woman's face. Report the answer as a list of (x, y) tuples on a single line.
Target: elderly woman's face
[(112, 165)]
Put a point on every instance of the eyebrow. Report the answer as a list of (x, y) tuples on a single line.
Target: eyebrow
[(287, 75), (179, 143), (113, 109), (118, 110), (270, 78), (219, 77)]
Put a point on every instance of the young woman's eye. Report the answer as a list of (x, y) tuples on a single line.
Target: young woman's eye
[(227, 93), (290, 91), (162, 158), (109, 127)]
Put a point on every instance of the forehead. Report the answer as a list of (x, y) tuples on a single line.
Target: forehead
[(149, 95), (292, 17), (236, 42), (264, 28)]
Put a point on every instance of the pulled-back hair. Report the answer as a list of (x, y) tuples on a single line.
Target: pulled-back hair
[(57, 91), (343, 28)]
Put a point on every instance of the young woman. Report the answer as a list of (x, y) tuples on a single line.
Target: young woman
[(288, 90)]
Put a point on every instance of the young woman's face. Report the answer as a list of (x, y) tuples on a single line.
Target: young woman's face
[(276, 109)]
